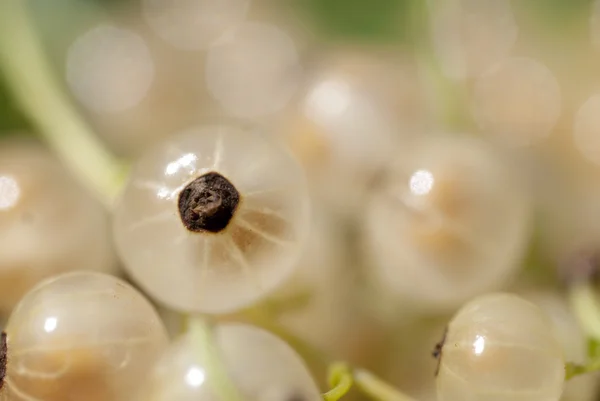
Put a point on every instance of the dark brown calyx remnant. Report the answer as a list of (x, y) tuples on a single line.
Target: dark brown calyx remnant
[(437, 350), (3, 358), (208, 203)]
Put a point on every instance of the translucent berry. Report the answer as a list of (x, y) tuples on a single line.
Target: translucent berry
[(517, 101), (193, 24), (344, 125), (48, 223), (253, 70), (81, 337), (109, 69), (448, 221), (500, 347), (470, 35), (213, 219), (257, 364)]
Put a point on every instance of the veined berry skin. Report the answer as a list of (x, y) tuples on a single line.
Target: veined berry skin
[(500, 347)]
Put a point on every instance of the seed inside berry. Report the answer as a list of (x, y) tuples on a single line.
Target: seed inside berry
[(208, 203)]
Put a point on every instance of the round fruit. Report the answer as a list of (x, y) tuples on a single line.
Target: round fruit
[(213, 219), (109, 69), (500, 347), (253, 70), (258, 365), (48, 224), (81, 336), (448, 222), (517, 101), (193, 24), (470, 35)]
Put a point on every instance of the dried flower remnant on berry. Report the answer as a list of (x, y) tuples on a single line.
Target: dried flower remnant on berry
[(437, 350), (208, 203), (3, 358)]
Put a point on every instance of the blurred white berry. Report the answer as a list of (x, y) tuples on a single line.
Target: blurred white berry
[(449, 221), (253, 70), (470, 35), (193, 24), (48, 223), (109, 69), (259, 365), (517, 101)]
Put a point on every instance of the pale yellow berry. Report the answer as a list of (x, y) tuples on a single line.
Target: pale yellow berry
[(500, 347), (81, 337), (48, 223), (256, 364), (448, 222), (213, 220)]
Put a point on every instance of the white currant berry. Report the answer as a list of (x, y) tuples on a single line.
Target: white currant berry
[(213, 219), (109, 69), (470, 35), (343, 127), (448, 222), (193, 24), (500, 347), (253, 70), (82, 337), (48, 223), (259, 365), (517, 101)]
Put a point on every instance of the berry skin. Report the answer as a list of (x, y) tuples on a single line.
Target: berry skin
[(48, 223), (500, 347), (81, 337), (259, 365), (213, 220), (449, 222)]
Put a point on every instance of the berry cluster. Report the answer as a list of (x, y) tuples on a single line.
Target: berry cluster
[(338, 205)]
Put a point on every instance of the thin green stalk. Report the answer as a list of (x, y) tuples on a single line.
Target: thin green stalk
[(340, 381), (204, 342), (28, 75), (376, 388), (586, 308)]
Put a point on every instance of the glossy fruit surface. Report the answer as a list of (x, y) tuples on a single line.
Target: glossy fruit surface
[(81, 337), (213, 219)]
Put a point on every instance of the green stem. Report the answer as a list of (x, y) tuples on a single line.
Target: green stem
[(205, 346), (447, 97), (376, 388), (586, 308), (340, 381), (35, 88), (341, 375)]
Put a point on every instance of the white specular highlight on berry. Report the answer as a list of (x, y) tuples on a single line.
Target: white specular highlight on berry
[(109, 69), (421, 182), (195, 376), (329, 98), (50, 324), (9, 192)]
